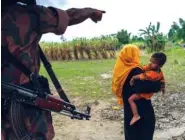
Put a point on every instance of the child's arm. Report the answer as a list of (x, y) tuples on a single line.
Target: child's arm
[(147, 75), (143, 76), (139, 76)]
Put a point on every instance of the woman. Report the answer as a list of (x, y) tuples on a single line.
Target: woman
[(128, 65)]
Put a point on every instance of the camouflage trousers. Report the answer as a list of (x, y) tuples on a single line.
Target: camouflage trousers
[(37, 122)]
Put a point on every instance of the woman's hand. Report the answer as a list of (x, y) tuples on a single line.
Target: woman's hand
[(136, 77), (132, 81)]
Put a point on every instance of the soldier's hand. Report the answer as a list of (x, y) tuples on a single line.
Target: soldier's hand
[(96, 15), (77, 16)]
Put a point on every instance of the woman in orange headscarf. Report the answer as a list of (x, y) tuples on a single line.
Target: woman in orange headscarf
[(127, 60), (128, 65)]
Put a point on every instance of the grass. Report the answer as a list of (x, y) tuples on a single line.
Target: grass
[(83, 78)]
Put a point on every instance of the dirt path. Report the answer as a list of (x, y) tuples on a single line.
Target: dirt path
[(95, 129), (106, 123)]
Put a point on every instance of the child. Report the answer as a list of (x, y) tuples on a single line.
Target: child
[(152, 72)]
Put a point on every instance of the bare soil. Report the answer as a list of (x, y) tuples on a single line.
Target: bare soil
[(107, 123)]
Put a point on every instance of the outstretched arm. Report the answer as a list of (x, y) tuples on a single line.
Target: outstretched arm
[(77, 16), (56, 20)]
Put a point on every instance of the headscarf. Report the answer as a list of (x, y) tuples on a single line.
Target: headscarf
[(127, 60)]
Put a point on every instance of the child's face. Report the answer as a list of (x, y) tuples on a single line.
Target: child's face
[(154, 64)]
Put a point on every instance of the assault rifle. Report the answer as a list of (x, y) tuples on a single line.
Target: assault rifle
[(15, 96), (42, 100), (40, 96)]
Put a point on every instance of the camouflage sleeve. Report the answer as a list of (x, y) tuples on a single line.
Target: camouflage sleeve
[(53, 20)]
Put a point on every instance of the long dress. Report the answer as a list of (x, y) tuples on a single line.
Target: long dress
[(144, 128)]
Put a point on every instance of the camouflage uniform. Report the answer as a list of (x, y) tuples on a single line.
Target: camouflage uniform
[(21, 30)]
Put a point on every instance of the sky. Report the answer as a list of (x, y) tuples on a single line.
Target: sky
[(131, 15)]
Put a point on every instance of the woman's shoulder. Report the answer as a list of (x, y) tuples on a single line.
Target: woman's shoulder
[(136, 70)]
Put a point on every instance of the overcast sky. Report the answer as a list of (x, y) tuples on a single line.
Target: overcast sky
[(131, 15)]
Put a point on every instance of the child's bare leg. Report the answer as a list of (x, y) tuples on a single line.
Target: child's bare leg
[(133, 106)]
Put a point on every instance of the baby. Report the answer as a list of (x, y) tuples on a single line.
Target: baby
[(151, 72)]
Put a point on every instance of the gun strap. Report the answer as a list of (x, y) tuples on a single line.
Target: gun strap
[(12, 59), (44, 60)]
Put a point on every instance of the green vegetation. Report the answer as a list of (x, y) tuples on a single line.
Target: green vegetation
[(92, 79), (81, 48), (177, 31), (153, 38), (104, 47), (123, 37)]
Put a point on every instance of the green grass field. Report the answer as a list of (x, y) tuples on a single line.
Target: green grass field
[(83, 78)]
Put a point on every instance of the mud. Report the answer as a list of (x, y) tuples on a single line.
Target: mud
[(107, 123)]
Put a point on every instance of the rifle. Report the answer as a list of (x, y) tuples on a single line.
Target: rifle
[(15, 96), (41, 89), (43, 101)]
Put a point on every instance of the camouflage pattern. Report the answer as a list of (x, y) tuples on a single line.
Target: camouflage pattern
[(21, 30), (38, 122)]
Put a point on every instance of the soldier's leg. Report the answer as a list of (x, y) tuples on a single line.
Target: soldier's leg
[(3, 130), (6, 129), (39, 123)]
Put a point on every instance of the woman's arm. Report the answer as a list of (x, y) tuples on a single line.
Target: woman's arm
[(145, 86)]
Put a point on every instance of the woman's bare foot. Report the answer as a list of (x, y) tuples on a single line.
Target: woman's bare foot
[(135, 119)]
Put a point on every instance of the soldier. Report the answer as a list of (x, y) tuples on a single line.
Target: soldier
[(21, 31)]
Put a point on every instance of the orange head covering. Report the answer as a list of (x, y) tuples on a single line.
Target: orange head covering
[(127, 60)]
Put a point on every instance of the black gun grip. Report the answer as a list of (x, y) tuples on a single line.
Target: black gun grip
[(88, 110)]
